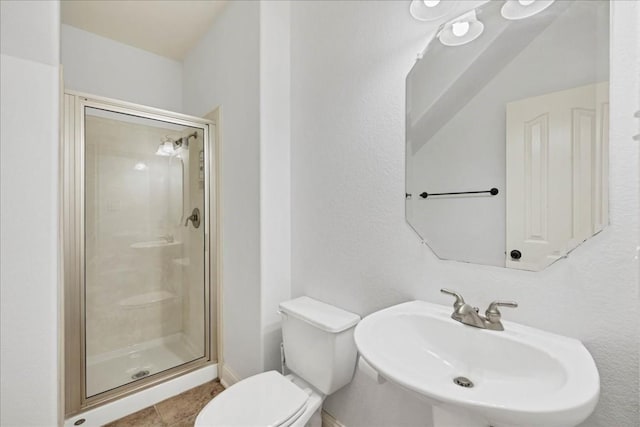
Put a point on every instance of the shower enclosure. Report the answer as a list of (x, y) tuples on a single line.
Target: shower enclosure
[(139, 215)]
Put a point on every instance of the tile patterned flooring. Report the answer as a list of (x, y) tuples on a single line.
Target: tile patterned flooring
[(177, 411)]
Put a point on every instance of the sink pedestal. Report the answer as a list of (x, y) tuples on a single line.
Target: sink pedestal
[(460, 418)]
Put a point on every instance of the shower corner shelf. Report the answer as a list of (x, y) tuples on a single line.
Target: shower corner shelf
[(155, 244), (183, 262), (147, 299)]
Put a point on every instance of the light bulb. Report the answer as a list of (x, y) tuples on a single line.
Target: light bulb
[(430, 10), (459, 29), (167, 147), (522, 9), (140, 166)]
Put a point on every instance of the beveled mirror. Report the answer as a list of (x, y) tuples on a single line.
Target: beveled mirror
[(507, 133)]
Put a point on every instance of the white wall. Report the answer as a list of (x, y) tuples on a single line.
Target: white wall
[(29, 211), (101, 66), (275, 172), (242, 65), (352, 247), (223, 70)]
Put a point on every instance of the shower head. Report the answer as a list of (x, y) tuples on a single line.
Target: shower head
[(184, 141)]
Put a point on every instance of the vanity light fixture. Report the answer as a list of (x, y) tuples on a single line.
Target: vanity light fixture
[(430, 10), (521, 9), (461, 30)]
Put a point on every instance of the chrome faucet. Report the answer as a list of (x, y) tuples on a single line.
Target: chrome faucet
[(468, 315)]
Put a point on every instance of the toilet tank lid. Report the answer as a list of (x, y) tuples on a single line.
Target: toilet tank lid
[(323, 316)]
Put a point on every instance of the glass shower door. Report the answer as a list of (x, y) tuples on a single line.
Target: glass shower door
[(145, 299)]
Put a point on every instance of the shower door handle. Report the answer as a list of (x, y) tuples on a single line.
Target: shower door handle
[(194, 218)]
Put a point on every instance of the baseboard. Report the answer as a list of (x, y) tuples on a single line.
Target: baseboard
[(227, 376), (329, 421)]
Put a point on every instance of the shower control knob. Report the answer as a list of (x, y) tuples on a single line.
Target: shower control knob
[(194, 218)]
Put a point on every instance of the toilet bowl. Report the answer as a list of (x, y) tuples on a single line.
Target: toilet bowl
[(321, 354), (267, 399)]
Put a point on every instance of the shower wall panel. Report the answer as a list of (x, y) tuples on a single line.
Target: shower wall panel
[(134, 290), (193, 298)]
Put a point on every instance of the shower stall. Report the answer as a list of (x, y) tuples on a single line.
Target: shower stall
[(139, 233)]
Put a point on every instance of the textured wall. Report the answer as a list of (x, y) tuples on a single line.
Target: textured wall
[(275, 176), (101, 66), (351, 246), (223, 70), (29, 317), (242, 65)]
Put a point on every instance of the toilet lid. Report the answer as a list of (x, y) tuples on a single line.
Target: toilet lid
[(266, 399)]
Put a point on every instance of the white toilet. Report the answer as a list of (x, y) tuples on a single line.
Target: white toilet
[(319, 350)]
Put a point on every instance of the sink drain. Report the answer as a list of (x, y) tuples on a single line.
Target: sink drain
[(463, 382), (139, 375)]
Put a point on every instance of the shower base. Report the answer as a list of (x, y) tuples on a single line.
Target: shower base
[(107, 371)]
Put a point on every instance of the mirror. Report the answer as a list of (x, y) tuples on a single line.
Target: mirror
[(507, 133)]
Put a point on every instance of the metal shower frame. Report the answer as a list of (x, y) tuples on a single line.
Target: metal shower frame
[(72, 239)]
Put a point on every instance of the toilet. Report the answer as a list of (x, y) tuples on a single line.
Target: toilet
[(321, 354)]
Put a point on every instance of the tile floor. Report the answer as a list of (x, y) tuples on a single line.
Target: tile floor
[(178, 411)]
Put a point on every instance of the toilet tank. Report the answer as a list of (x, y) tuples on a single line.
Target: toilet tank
[(318, 343)]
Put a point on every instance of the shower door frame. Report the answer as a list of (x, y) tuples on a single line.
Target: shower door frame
[(73, 241)]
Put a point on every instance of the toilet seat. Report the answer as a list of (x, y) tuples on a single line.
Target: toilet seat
[(267, 399)]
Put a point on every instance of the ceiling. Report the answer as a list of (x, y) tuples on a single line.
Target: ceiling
[(166, 27)]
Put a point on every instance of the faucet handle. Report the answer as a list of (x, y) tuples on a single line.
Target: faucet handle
[(493, 314), (459, 300)]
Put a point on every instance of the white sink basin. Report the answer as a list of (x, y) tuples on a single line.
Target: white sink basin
[(521, 376)]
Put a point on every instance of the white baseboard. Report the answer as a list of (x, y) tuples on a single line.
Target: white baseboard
[(227, 376), (329, 421)]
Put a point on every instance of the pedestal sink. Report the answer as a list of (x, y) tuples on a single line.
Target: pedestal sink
[(521, 376)]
